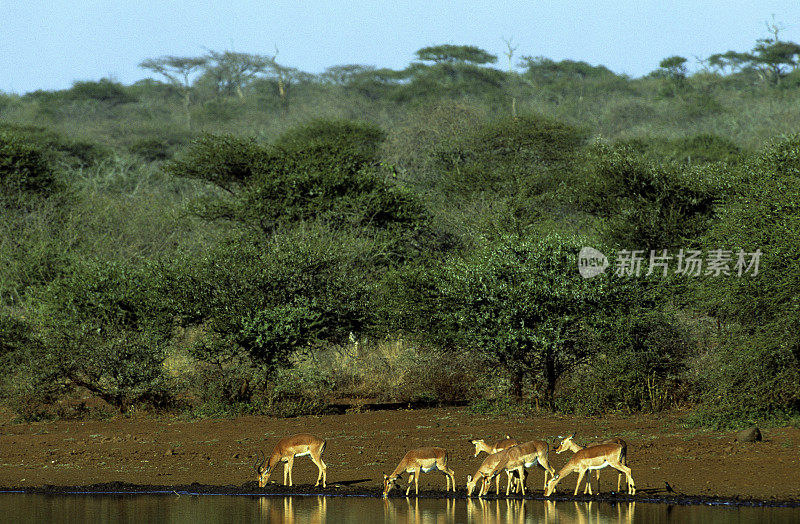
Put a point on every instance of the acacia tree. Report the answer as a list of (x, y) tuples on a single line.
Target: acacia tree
[(773, 57), (177, 70), (732, 60), (456, 53), (455, 71), (231, 71), (674, 68)]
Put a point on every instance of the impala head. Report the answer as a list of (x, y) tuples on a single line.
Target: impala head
[(388, 483), (479, 445), (262, 469), (471, 485), (564, 446), (551, 486)]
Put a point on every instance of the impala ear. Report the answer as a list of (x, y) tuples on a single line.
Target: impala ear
[(572, 436)]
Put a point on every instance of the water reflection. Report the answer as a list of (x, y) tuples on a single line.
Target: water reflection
[(317, 509), (312, 510), (416, 510), (526, 511)]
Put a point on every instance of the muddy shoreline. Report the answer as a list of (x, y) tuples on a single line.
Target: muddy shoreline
[(136, 455)]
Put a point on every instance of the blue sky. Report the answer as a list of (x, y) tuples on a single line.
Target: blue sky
[(49, 44)]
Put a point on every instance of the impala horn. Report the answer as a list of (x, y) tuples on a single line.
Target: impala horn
[(261, 459)]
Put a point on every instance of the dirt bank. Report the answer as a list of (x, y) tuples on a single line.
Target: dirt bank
[(219, 454)]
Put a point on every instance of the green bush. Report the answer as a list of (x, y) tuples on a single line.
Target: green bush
[(104, 90), (261, 302), (749, 379), (649, 205), (756, 368), (57, 148), (700, 148), (103, 329), (359, 138), (518, 304), (642, 366), (528, 142), (322, 172), (24, 170)]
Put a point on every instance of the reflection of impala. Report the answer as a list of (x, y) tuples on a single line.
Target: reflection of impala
[(569, 444), (416, 461), (594, 457), (285, 451)]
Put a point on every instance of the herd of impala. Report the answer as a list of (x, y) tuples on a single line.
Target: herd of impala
[(506, 455)]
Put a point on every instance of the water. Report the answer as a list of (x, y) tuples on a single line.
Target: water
[(315, 509)]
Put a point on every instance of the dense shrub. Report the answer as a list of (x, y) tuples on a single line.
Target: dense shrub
[(704, 147), (757, 369), (319, 228), (104, 90), (650, 205), (60, 150), (103, 329), (259, 303), (24, 170), (641, 366), (325, 171), (519, 305)]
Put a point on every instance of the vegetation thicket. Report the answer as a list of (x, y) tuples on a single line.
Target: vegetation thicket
[(240, 236)]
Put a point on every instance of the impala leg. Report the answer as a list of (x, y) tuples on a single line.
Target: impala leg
[(449, 474), (581, 473), (322, 470), (410, 478), (485, 485), (553, 483), (625, 469), (416, 481), (544, 461), (521, 472), (290, 465)]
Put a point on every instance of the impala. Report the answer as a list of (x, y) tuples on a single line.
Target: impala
[(500, 445), (594, 457), (569, 445), (416, 461), (525, 456), (285, 451), (487, 470)]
